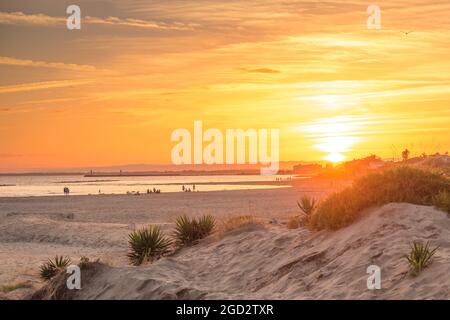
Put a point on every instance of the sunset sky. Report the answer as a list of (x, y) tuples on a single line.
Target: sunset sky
[(112, 92)]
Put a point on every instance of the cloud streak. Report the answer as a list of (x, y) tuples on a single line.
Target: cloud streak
[(42, 64), (22, 19), (42, 85)]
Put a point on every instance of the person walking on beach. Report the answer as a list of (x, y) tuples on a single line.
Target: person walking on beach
[(66, 191), (193, 187)]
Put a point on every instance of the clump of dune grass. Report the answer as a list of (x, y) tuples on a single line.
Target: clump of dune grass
[(399, 184), (147, 244), (189, 231), (308, 206), (84, 261), (294, 222), (420, 257), (442, 200), (233, 223), (206, 224), (51, 268), (11, 287), (236, 222)]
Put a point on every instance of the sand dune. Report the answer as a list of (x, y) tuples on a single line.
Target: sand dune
[(271, 262), (34, 229)]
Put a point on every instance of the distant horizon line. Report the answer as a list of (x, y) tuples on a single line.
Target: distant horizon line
[(149, 168), (143, 167)]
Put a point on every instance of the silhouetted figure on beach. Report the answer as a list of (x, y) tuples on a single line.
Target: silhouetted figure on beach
[(183, 188), (66, 191), (148, 191), (193, 187)]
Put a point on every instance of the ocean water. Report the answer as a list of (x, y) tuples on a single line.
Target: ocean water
[(51, 185)]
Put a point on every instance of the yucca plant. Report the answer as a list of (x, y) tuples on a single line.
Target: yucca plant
[(420, 257), (189, 231), (308, 206), (51, 268), (206, 224), (147, 244)]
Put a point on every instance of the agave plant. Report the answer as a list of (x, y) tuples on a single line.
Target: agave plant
[(420, 256), (147, 244), (189, 231), (307, 205), (206, 224), (51, 268)]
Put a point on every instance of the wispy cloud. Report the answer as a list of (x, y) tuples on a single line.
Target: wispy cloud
[(22, 19), (43, 85), (54, 65), (259, 70)]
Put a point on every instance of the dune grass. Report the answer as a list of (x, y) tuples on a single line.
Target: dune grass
[(399, 184), (147, 245), (11, 287), (294, 222), (442, 200), (189, 231), (308, 206), (51, 268), (236, 222), (420, 257)]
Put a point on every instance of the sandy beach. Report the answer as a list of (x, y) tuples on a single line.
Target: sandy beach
[(270, 262), (262, 260), (34, 229)]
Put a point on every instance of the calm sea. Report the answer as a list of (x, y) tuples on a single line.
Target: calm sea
[(21, 186)]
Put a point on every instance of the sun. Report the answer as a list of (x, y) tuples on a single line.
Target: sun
[(334, 137), (335, 157)]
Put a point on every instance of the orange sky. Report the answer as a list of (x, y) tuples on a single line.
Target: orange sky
[(112, 92)]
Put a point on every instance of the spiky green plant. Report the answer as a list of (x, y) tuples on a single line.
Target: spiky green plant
[(206, 224), (186, 231), (308, 206), (420, 256), (189, 231), (147, 244), (51, 268)]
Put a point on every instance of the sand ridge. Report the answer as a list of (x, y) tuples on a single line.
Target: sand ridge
[(274, 263)]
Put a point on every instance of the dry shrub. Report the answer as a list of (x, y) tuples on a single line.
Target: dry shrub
[(442, 200), (400, 184), (56, 288), (11, 287), (295, 222), (237, 222)]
